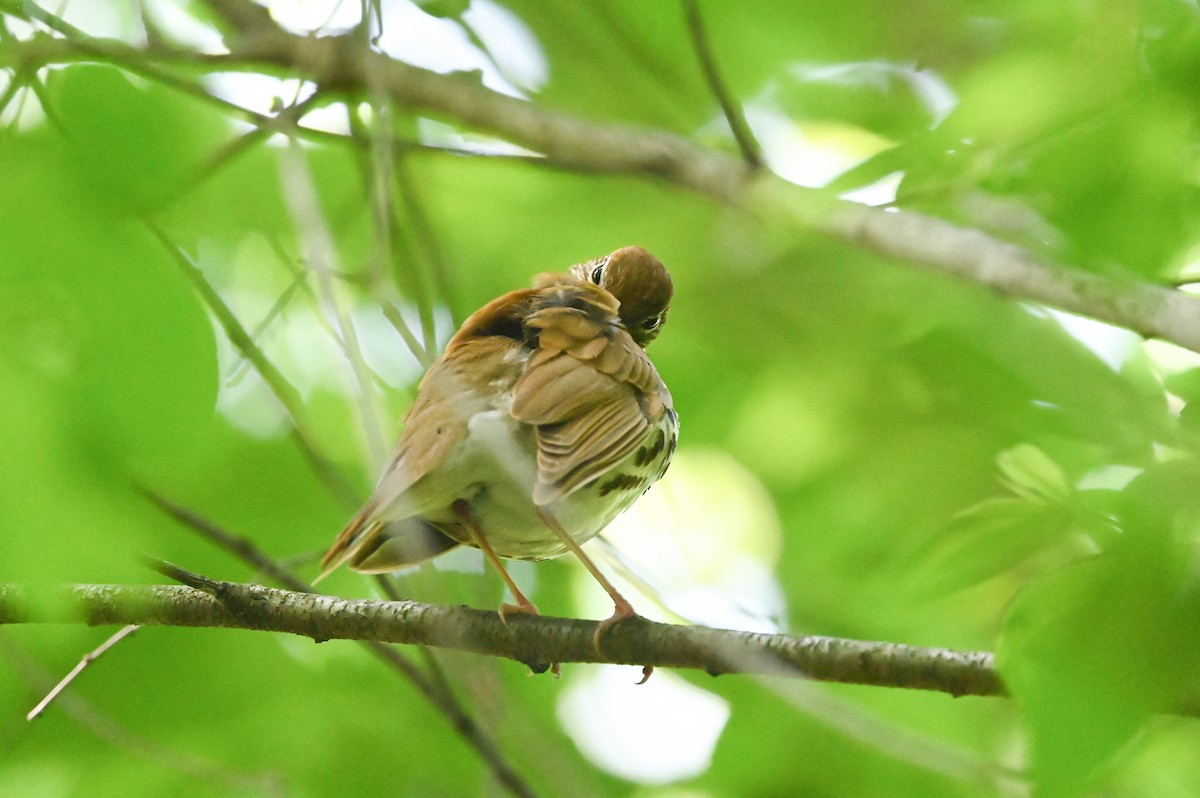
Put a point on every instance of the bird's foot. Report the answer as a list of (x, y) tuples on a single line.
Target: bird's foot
[(523, 606), (622, 611)]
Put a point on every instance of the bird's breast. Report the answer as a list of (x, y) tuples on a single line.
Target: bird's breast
[(499, 461)]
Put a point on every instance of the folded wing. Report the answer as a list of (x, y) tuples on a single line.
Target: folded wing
[(588, 388)]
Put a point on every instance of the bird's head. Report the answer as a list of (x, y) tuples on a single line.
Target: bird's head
[(637, 280)]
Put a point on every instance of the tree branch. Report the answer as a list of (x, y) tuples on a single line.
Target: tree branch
[(88, 659), (534, 641), (342, 63), (751, 151)]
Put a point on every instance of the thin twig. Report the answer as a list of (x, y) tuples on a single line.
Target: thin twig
[(432, 664), (434, 255), (398, 241), (16, 81), (279, 385), (377, 174), (242, 367), (902, 743), (441, 698), (88, 659), (393, 315), (238, 546), (321, 255), (287, 119), (751, 151), (300, 271), (389, 230), (105, 728), (76, 45)]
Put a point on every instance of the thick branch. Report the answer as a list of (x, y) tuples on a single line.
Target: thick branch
[(533, 641), (345, 64), (341, 62)]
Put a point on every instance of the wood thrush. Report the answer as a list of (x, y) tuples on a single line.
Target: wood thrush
[(540, 423)]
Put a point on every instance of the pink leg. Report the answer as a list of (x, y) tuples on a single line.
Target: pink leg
[(463, 511), (622, 609)]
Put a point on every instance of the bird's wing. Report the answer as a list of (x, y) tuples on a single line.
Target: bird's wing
[(588, 388), (430, 434), (449, 394)]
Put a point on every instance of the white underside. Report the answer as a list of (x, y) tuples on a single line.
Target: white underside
[(495, 471)]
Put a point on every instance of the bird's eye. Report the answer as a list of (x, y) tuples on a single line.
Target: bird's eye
[(652, 323), (598, 273)]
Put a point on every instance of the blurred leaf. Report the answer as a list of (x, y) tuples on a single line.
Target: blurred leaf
[(1184, 384), (446, 9), (135, 147), (989, 539), (623, 60), (105, 295), (1029, 473), (1093, 651)]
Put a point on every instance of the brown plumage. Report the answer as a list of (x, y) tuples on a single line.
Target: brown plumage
[(541, 421)]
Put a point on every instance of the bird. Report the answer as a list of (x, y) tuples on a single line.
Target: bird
[(542, 420)]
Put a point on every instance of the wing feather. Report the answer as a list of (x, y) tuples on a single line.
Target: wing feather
[(388, 532), (589, 389)]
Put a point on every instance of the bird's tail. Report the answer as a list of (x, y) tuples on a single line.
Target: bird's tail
[(348, 542), (374, 547)]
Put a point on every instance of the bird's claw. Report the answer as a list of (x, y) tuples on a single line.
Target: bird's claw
[(523, 606), (621, 612)]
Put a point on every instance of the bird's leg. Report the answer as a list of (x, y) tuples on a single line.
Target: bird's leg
[(463, 511), (622, 609)]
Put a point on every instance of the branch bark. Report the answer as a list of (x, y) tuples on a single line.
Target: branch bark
[(534, 641)]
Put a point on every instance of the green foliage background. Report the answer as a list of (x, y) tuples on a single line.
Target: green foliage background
[(950, 468)]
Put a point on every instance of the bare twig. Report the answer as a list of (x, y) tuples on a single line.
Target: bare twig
[(283, 390), (433, 689), (286, 120), (321, 255), (751, 151), (16, 82), (426, 239), (899, 741), (298, 282), (238, 546), (378, 169), (534, 641), (88, 659), (93, 720), (393, 315)]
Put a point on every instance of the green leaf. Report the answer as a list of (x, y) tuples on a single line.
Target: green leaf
[(134, 147), (989, 539), (134, 354), (445, 9), (1032, 475), (1093, 652)]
